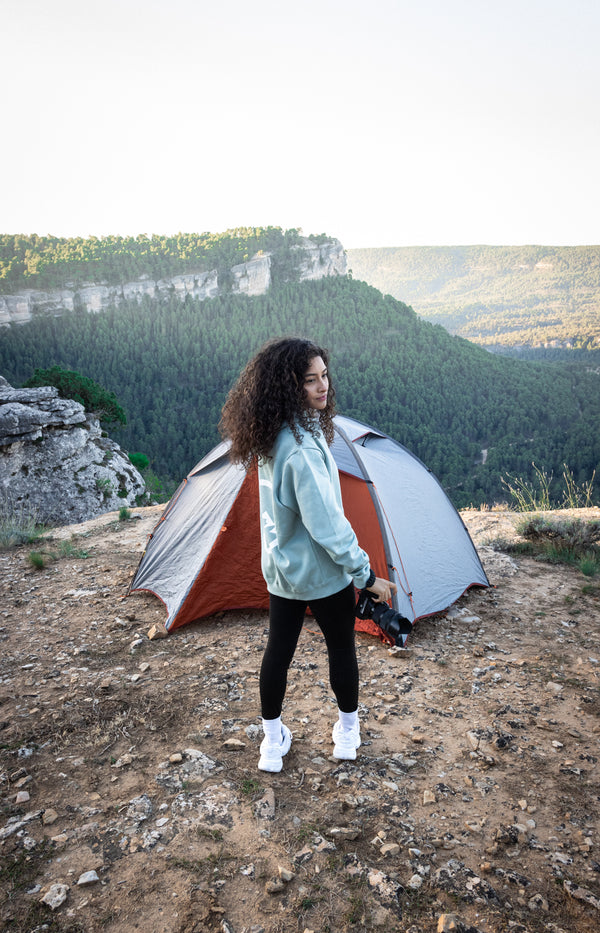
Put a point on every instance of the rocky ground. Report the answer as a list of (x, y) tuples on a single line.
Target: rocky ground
[(131, 798)]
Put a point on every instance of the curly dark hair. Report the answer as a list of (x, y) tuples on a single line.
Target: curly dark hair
[(270, 394)]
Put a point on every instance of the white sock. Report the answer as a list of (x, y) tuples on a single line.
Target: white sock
[(272, 730), (348, 720)]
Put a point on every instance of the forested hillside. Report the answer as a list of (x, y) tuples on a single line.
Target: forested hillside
[(509, 297), (52, 262), (171, 365)]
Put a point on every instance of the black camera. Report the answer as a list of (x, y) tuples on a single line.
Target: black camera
[(392, 623)]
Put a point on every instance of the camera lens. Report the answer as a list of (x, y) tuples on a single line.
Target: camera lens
[(392, 623)]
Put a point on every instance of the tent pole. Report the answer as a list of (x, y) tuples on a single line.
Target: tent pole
[(375, 500)]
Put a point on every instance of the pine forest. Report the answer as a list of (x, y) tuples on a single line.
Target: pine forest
[(472, 417)]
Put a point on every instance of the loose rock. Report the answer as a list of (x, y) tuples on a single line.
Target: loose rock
[(55, 896)]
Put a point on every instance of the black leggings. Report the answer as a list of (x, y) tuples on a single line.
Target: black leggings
[(335, 617)]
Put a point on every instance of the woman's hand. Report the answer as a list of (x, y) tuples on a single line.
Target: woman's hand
[(382, 590)]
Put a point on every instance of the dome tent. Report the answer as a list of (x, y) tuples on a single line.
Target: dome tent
[(203, 556)]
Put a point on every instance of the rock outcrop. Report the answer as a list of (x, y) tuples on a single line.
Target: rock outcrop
[(55, 460), (320, 261), (311, 261)]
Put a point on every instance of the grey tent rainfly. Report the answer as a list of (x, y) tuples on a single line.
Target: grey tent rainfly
[(203, 556)]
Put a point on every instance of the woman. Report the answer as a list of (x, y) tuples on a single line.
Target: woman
[(278, 417)]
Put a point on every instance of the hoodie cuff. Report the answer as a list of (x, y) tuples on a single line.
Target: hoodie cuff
[(370, 581)]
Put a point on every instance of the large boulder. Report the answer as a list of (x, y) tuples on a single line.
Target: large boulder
[(55, 460)]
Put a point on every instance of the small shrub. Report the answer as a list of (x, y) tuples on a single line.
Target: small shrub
[(307, 902), (18, 524), (589, 565), (37, 560), (140, 461), (124, 514), (250, 786), (104, 486), (157, 489), (571, 534), (73, 385), (557, 541), (68, 549)]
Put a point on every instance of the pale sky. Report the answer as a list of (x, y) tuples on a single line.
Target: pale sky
[(381, 122)]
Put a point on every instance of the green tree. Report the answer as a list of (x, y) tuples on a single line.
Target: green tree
[(81, 389), (140, 461)]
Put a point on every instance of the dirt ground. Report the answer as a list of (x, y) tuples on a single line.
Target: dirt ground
[(131, 799)]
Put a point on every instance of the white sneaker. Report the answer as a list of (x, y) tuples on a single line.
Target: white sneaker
[(271, 755), (346, 741)]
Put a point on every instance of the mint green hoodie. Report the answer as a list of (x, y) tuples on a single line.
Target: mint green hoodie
[(309, 549)]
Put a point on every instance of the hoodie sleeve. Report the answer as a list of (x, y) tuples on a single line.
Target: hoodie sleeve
[(309, 489)]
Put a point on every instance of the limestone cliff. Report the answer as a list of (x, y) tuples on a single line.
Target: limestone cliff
[(319, 261), (310, 261), (55, 461)]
